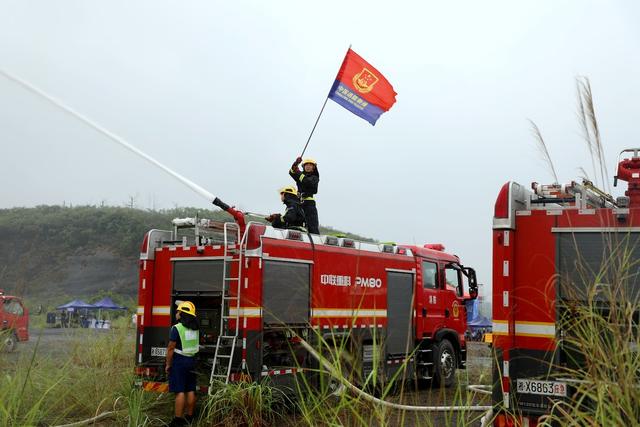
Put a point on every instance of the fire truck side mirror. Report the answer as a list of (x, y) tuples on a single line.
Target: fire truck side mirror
[(473, 281)]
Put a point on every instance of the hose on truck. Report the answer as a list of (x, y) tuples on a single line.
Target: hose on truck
[(334, 373)]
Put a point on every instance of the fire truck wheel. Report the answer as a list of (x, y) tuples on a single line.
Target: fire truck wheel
[(444, 363), (347, 364), (10, 342), (328, 383)]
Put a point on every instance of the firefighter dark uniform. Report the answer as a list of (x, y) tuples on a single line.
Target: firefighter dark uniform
[(293, 215), (307, 182)]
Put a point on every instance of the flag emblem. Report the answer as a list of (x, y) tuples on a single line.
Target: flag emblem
[(363, 81)]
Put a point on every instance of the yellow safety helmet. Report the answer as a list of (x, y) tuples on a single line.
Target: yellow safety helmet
[(187, 307), (289, 189), (309, 160)]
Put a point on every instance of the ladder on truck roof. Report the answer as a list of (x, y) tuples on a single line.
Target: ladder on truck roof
[(576, 195), (229, 306)]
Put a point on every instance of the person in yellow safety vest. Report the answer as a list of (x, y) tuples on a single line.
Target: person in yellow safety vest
[(184, 343), (307, 181)]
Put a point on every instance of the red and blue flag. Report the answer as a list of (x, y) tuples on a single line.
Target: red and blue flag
[(362, 89)]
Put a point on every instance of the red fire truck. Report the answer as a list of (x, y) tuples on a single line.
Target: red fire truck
[(14, 321), (550, 245), (258, 290)]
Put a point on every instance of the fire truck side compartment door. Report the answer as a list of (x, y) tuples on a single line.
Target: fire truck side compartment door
[(285, 292), (399, 312), (584, 257), (199, 276)]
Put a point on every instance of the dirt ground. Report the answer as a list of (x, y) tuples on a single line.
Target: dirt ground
[(54, 342)]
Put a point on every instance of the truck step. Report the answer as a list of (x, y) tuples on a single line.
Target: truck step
[(425, 363), (227, 337)]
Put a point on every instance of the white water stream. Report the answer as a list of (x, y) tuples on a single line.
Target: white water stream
[(113, 137)]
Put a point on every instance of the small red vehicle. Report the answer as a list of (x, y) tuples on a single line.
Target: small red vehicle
[(14, 321)]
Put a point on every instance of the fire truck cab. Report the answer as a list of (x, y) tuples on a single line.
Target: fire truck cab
[(551, 245), (258, 290), (14, 321)]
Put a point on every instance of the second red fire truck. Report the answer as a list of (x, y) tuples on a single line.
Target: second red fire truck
[(551, 245), (259, 289)]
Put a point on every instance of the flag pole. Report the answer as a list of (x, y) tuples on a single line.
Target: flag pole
[(318, 118), (314, 126)]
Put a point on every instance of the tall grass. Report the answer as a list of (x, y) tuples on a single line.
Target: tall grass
[(316, 399), (244, 404), (78, 377), (601, 341), (80, 374), (325, 402)]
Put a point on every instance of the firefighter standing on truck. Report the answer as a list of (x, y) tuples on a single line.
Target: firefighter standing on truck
[(307, 182), (293, 215), (184, 342)]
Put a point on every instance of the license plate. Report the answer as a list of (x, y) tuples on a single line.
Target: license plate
[(546, 388), (159, 351)]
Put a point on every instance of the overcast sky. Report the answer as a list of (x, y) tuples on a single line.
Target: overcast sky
[(226, 94)]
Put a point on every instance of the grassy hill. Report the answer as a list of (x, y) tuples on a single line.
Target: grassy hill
[(55, 253)]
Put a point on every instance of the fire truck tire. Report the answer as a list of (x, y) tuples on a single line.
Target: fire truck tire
[(349, 366), (328, 382), (444, 364), (9, 341)]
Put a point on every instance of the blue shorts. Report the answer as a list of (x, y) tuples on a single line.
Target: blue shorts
[(182, 376)]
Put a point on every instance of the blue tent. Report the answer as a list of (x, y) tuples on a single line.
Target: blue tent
[(107, 303), (479, 322), (75, 304), (473, 311)]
